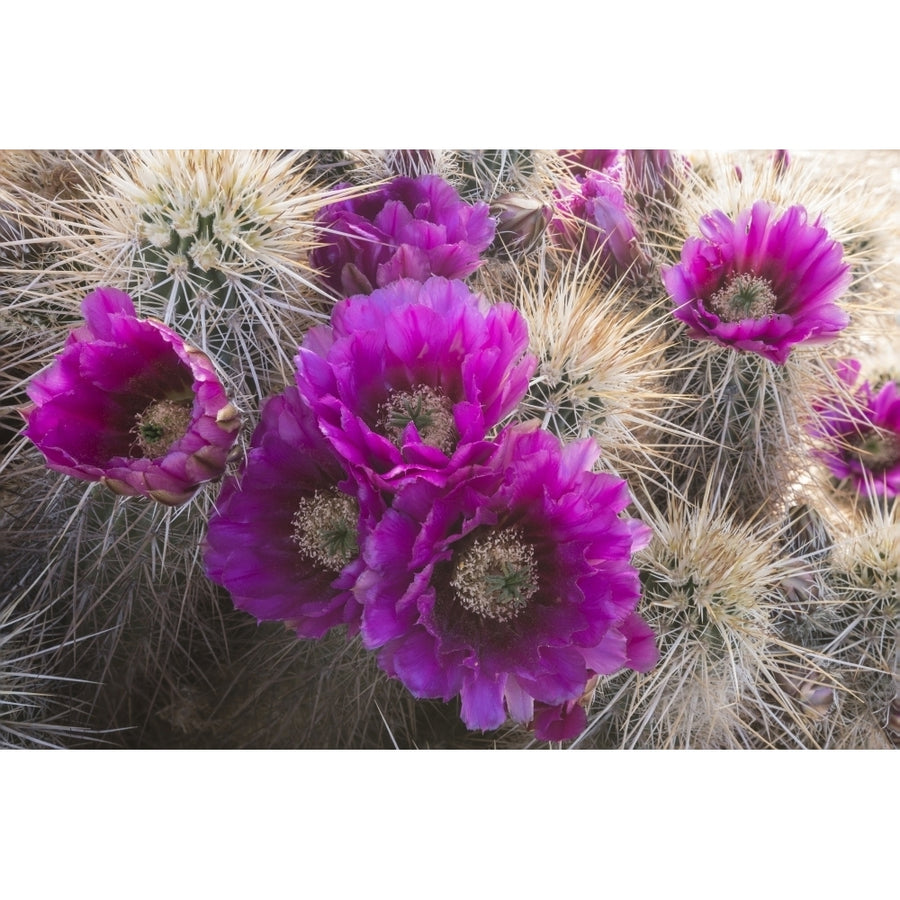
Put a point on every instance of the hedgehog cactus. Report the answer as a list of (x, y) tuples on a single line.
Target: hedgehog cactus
[(214, 243), (487, 369)]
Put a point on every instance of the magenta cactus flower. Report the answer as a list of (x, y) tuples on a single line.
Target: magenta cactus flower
[(861, 440), (130, 404), (284, 537), (409, 228), (762, 283), (510, 585), (593, 219), (407, 381)]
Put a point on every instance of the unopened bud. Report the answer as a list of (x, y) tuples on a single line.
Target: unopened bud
[(520, 221), (815, 697), (802, 589), (654, 173), (781, 159)]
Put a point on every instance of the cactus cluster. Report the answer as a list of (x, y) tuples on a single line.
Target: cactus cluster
[(722, 328)]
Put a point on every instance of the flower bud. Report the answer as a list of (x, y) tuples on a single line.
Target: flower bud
[(781, 159), (815, 697), (521, 221)]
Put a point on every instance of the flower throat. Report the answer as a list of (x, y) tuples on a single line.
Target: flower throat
[(325, 528), (430, 410), (744, 297), (496, 575), (160, 425)]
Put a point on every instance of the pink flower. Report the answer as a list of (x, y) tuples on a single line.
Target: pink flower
[(594, 219), (409, 228), (762, 283), (510, 585), (643, 174), (129, 403), (862, 438), (284, 538), (407, 381)]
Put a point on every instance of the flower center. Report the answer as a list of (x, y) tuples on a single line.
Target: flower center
[(160, 425), (744, 297), (877, 450), (429, 410), (325, 528), (496, 575)]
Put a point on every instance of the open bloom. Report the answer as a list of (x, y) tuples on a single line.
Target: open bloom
[(594, 219), (127, 402), (762, 283), (510, 585), (407, 381), (861, 440), (284, 538), (409, 228)]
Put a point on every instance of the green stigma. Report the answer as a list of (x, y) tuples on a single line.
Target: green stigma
[(496, 575), (744, 297), (160, 425), (431, 411), (325, 528)]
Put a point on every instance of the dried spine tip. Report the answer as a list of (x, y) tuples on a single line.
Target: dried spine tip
[(326, 528), (496, 575)]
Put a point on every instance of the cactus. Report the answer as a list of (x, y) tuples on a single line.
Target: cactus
[(769, 582)]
